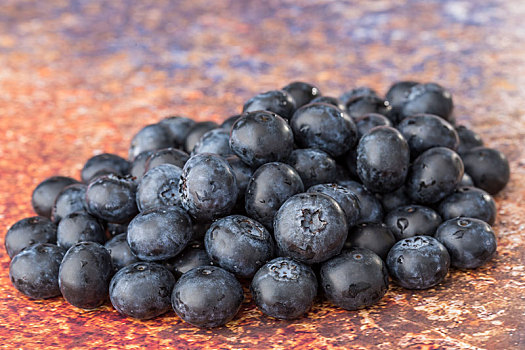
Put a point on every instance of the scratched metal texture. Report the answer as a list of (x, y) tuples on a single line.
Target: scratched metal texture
[(79, 78)]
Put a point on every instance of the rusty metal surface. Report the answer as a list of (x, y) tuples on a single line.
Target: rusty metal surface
[(81, 77)]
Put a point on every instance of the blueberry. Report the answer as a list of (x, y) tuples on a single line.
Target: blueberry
[(466, 181), (383, 157), (208, 187), (424, 131), (159, 233), (279, 102), (243, 174), (310, 227), (84, 275), (261, 137), (284, 288), (120, 252), (470, 242), (398, 92), (367, 122), (177, 128), (395, 199), (468, 139), (171, 156), (329, 100), (302, 93), (228, 123), (207, 297), (324, 126), (344, 197), (470, 202), (239, 244), (194, 255), (34, 271), (46, 193), (214, 141), (114, 229), (370, 207), (355, 279), (374, 236), (412, 220), (488, 167), (362, 105), (313, 166), (357, 93), (28, 231), (71, 199), (80, 227), (138, 166), (104, 163), (196, 133), (112, 198), (434, 175), (428, 98), (270, 186), (150, 138), (349, 159), (142, 290), (418, 262), (159, 187)]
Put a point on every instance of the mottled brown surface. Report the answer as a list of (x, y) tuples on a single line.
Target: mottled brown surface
[(81, 77)]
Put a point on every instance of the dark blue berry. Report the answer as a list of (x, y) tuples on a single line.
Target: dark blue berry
[(395, 199), (177, 128), (114, 229), (360, 106), (279, 102), (329, 100), (302, 93), (470, 202), (214, 141), (468, 139), (357, 93), (374, 236), (150, 138), (412, 220), (106, 163), (488, 167), (344, 197), (207, 297), (80, 227), (284, 288), (159, 187), (398, 92), (46, 193), (228, 123), (243, 174), (369, 121), (370, 207), (171, 156), (138, 166), (28, 231), (313, 166), (196, 132), (120, 252), (71, 199), (428, 98), (194, 255)]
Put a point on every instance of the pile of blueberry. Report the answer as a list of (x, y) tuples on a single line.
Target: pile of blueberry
[(301, 195)]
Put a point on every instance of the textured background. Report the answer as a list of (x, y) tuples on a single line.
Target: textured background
[(80, 77)]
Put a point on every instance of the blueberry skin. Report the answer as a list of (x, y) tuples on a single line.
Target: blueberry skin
[(468, 139), (208, 187), (371, 209), (159, 233), (284, 288), (28, 231), (469, 202), (357, 93), (434, 175), (207, 297), (302, 93), (313, 166), (412, 220), (344, 197), (329, 100), (142, 290), (84, 275), (395, 199), (120, 252), (138, 166), (80, 227), (355, 279), (466, 181), (228, 123), (349, 159), (369, 121), (171, 156), (114, 229), (112, 198), (106, 162), (470, 242), (488, 167), (279, 102), (194, 255), (310, 227), (359, 106), (159, 187), (196, 132), (398, 92), (177, 128), (46, 193), (214, 141), (424, 131), (383, 158), (71, 199), (239, 244), (150, 138), (243, 173), (428, 98), (418, 262), (261, 137), (374, 236), (323, 126), (34, 271), (270, 186)]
